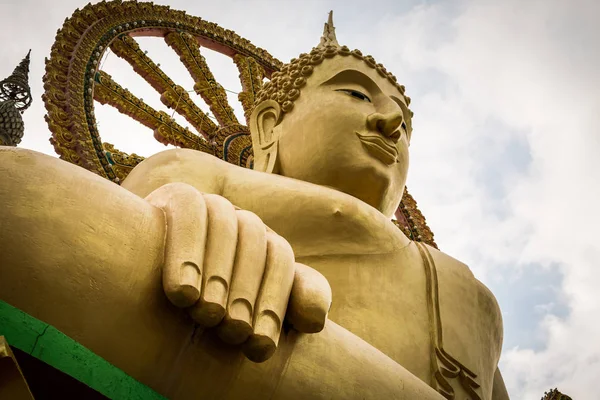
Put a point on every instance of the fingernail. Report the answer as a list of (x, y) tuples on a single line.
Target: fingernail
[(241, 310), (237, 325), (262, 344), (215, 291), (268, 324), (190, 274), (188, 291)]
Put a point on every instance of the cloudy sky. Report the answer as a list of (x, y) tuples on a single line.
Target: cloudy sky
[(506, 96)]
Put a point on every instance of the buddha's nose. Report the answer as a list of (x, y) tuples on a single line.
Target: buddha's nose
[(386, 124)]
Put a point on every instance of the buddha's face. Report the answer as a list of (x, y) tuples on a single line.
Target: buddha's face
[(347, 131)]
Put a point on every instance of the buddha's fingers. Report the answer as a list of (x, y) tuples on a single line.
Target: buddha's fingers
[(185, 213), (310, 300), (221, 242), (248, 273), (272, 300)]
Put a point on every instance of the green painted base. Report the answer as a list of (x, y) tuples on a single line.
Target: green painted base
[(53, 347)]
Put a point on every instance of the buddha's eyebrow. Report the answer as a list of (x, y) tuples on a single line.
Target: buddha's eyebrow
[(356, 77), (348, 76), (402, 106)]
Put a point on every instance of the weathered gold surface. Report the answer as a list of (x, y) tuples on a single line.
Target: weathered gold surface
[(172, 95), (166, 130), (122, 163), (188, 49), (305, 236), (75, 58), (412, 222), (251, 77)]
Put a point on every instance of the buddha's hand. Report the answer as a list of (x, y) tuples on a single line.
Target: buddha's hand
[(232, 272)]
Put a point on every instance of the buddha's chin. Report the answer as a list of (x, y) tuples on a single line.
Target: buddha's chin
[(370, 184), (357, 174)]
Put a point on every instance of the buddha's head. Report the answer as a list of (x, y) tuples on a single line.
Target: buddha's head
[(335, 118)]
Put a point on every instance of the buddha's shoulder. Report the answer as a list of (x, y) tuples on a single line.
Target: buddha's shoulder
[(459, 276), (202, 170), (176, 161), (448, 263)]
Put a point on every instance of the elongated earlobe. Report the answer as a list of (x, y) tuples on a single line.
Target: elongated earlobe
[(265, 138)]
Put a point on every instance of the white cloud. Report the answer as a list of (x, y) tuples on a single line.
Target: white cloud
[(532, 67)]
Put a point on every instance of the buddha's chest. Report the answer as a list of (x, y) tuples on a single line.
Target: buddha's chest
[(388, 301)]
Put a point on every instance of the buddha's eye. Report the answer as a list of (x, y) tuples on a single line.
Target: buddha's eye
[(356, 94)]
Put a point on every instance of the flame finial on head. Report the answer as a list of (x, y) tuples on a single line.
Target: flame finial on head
[(328, 38)]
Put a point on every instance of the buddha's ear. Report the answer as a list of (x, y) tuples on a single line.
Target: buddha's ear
[(263, 123)]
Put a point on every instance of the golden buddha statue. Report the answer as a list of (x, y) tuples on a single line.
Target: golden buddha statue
[(305, 236)]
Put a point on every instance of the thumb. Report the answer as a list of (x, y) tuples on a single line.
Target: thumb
[(310, 300)]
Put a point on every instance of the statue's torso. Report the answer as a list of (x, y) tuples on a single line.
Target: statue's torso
[(383, 299)]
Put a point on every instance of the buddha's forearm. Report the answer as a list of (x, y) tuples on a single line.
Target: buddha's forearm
[(315, 220)]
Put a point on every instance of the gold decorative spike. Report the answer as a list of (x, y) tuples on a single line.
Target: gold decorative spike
[(173, 96), (166, 130), (251, 77), (188, 49), (15, 88)]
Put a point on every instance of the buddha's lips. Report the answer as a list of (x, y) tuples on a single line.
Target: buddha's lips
[(379, 148)]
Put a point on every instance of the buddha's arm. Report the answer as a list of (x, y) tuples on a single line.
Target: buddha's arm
[(85, 256), (315, 220)]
